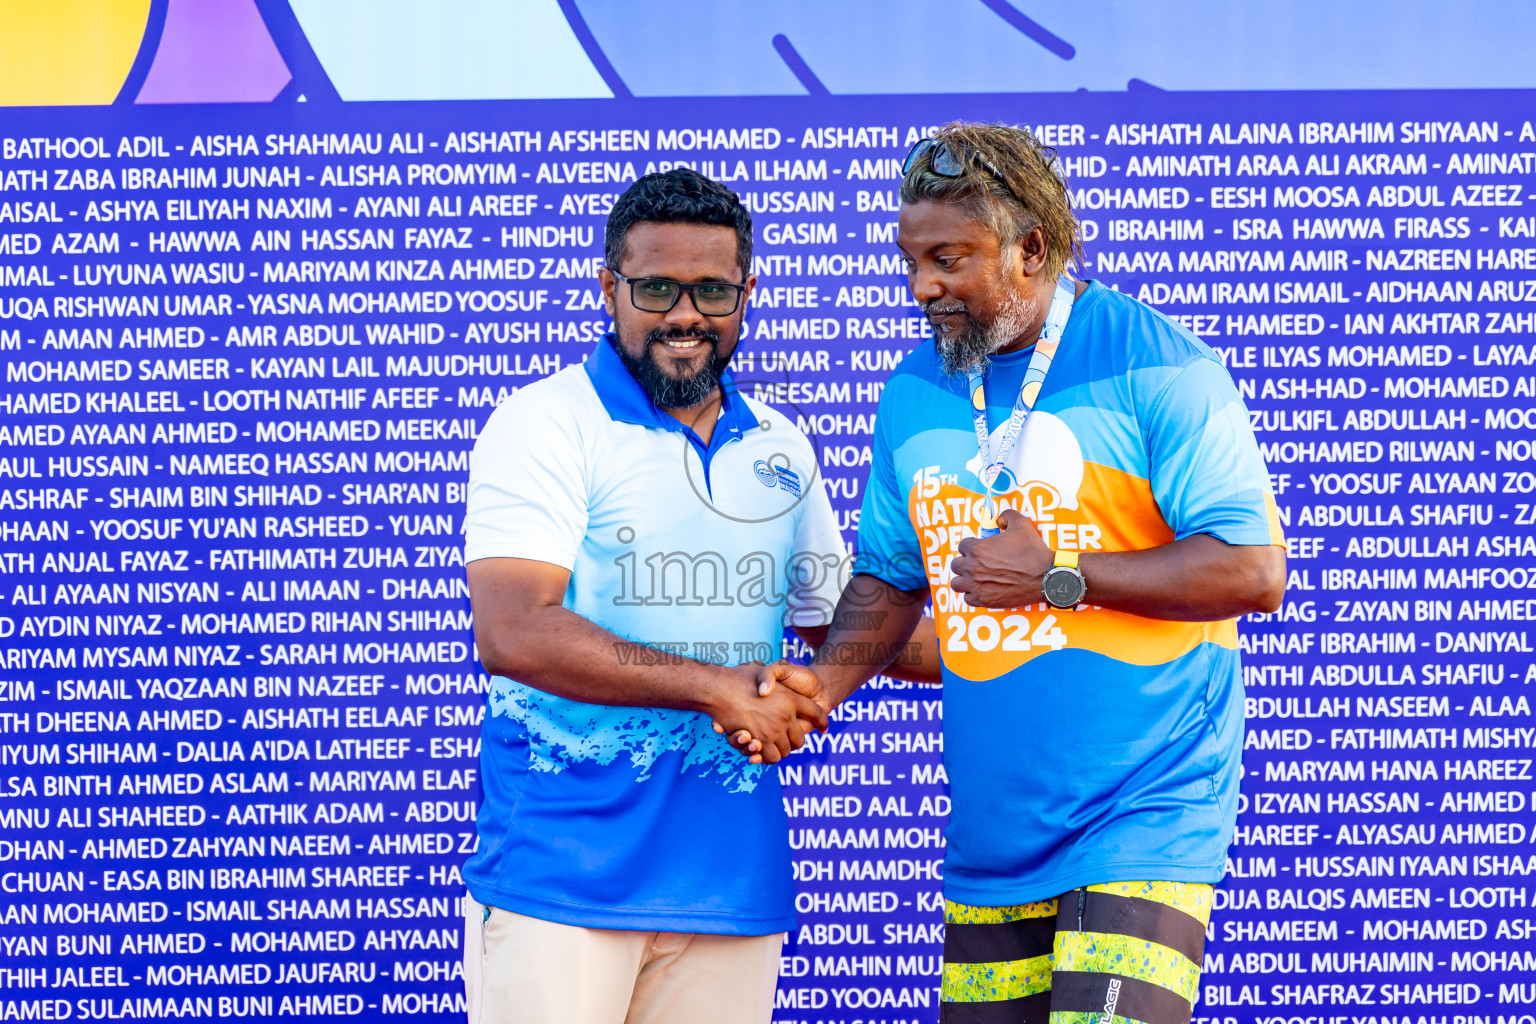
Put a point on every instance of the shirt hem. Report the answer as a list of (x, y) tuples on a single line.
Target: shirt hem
[(560, 559), (622, 919), (891, 580), (1238, 537), (1032, 892)]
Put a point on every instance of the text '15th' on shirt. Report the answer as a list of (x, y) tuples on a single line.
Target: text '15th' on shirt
[(644, 818), (1083, 745)]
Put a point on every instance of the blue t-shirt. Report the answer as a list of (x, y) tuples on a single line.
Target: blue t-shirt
[(644, 818), (1082, 746)]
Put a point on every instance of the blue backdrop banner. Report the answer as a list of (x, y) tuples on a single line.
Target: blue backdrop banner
[(247, 347)]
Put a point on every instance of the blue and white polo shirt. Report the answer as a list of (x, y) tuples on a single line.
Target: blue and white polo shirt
[(644, 818)]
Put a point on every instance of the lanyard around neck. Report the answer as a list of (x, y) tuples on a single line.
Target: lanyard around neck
[(995, 457)]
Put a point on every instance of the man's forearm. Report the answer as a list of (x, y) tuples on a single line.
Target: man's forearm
[(918, 660), (871, 629), (557, 651), (1197, 579)]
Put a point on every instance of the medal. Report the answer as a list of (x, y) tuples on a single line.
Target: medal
[(986, 516)]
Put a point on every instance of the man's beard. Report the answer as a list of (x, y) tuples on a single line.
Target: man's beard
[(968, 347), (667, 391)]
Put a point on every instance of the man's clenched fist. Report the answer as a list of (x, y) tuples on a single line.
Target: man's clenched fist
[(1005, 570)]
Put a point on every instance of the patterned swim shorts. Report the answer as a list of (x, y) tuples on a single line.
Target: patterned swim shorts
[(1121, 953)]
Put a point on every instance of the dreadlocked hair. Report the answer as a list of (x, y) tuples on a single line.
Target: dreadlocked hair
[(1025, 192)]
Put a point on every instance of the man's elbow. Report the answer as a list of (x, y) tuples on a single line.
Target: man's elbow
[(1267, 583), (502, 655), (495, 661)]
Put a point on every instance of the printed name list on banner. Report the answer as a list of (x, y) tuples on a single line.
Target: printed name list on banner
[(246, 355)]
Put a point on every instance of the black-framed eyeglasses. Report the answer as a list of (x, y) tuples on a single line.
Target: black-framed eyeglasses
[(946, 163), (659, 295)]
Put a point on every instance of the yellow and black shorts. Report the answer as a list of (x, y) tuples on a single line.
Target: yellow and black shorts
[(1121, 953)]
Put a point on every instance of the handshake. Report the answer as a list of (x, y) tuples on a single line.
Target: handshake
[(766, 711)]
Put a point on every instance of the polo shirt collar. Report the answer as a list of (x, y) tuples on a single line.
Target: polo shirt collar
[(627, 402)]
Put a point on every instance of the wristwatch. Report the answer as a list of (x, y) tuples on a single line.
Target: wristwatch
[(1063, 585)]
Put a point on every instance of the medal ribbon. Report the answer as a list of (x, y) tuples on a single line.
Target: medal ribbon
[(994, 459)]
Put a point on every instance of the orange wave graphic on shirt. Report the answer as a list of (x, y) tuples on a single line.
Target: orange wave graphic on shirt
[(1115, 512)]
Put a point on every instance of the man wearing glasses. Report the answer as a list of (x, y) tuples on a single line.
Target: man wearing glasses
[(639, 533), (1071, 478)]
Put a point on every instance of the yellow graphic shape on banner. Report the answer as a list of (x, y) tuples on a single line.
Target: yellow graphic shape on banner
[(67, 52)]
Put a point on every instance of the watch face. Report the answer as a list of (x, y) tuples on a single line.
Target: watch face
[(1063, 587)]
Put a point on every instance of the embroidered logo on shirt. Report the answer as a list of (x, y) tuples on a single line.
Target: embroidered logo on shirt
[(765, 474), (788, 479)]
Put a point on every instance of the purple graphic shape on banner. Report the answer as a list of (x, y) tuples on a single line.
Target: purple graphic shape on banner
[(214, 51)]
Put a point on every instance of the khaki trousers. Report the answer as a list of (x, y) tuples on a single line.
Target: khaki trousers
[(523, 970)]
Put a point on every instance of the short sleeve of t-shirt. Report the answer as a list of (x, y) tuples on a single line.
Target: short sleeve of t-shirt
[(887, 545), (1206, 471), (818, 563), (528, 482)]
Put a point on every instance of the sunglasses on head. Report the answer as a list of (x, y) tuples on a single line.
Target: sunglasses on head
[(945, 162), (941, 159)]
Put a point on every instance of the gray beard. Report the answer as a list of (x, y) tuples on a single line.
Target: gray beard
[(968, 348)]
